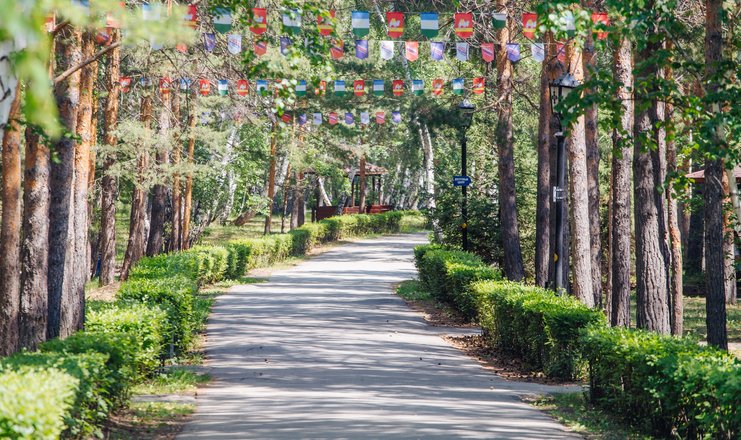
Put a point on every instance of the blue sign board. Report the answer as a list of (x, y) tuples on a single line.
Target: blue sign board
[(461, 180)]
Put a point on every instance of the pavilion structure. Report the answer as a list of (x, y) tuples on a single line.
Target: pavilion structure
[(358, 194)]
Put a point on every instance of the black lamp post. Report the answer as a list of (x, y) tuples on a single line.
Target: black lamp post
[(466, 108), (560, 89)]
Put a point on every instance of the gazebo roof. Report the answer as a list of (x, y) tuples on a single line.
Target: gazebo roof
[(699, 176), (370, 170)]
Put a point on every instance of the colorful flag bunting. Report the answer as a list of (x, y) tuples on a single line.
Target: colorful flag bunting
[(181, 47), (103, 37), (259, 22), (499, 20), (204, 86), (285, 43), (144, 81), (322, 90), (332, 118), (380, 118), (529, 24), (185, 83), (538, 52), (359, 87), (364, 118), (301, 88), (479, 85), (487, 52), (437, 86), (317, 119), (398, 87), (349, 118), (326, 24), (260, 48), (412, 50), (458, 86), (461, 51), (463, 23), (418, 87), (337, 49), (361, 49), (569, 25), (360, 23), (430, 24), (261, 86), (125, 82), (223, 87), (292, 21), (165, 85), (378, 87), (395, 22), (437, 50), (302, 119), (222, 20), (513, 52), (396, 117), (387, 50), (601, 21), (209, 41), (286, 118), (339, 87), (234, 43), (190, 17)]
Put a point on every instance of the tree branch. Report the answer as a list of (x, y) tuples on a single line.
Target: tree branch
[(64, 75)]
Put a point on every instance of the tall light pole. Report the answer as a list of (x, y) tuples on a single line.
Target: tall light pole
[(559, 90), (466, 109)]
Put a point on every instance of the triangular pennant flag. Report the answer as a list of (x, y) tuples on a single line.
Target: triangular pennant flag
[(437, 50), (499, 20), (458, 86), (349, 118), (259, 22), (302, 119), (418, 87), (317, 119), (378, 87), (430, 24), (301, 88), (437, 86), (234, 43), (243, 87), (165, 85), (380, 118), (285, 43), (261, 85), (190, 17), (364, 118), (600, 21), (398, 87), (487, 52), (339, 87), (337, 49), (360, 23), (395, 21), (538, 52), (260, 48), (387, 50), (513, 52), (125, 82), (461, 51), (359, 87), (204, 86), (223, 87), (529, 24), (292, 21), (396, 117), (209, 41), (325, 24), (222, 20), (463, 23), (412, 50), (332, 118), (479, 85), (361, 49)]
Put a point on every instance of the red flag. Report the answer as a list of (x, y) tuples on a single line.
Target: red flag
[(395, 22), (182, 47), (204, 86), (325, 24), (332, 118), (259, 21), (601, 18), (479, 84), (487, 52), (337, 50), (380, 118), (50, 23), (463, 23), (412, 50), (561, 52), (191, 16), (165, 85), (437, 86), (286, 118), (243, 87), (103, 37), (322, 88), (260, 48), (398, 87), (529, 24), (125, 83), (359, 87)]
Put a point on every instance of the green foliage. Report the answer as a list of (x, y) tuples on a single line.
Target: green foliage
[(146, 324), (536, 325), (33, 402), (664, 385)]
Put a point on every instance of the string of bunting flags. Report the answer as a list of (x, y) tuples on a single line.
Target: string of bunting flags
[(331, 118)]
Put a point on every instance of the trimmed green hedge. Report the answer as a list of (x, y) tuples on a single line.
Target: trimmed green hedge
[(666, 386), (33, 402)]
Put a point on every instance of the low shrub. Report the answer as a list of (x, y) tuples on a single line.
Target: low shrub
[(202, 264), (34, 402), (665, 386), (145, 323), (536, 325), (237, 258)]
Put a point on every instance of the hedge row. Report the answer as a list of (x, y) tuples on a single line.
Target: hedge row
[(664, 386), (69, 387)]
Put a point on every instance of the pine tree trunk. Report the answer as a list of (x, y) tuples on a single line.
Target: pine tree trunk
[(175, 243), (729, 245), (543, 202), (10, 237), (579, 197), (362, 184), (61, 279), (271, 178), (137, 238), (513, 266), (286, 188), (109, 184), (159, 200), (188, 197)]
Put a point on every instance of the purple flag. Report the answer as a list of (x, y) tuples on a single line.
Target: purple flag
[(361, 49), (285, 42), (437, 50), (349, 119), (513, 52), (209, 41), (302, 119), (396, 117)]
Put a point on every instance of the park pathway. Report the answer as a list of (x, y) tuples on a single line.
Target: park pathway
[(325, 351)]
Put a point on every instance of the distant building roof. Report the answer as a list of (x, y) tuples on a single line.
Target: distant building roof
[(699, 176)]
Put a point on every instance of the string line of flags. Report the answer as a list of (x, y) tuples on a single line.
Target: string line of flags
[(332, 118)]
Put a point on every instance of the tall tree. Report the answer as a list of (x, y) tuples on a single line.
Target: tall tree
[(159, 192), (543, 203), (177, 207), (271, 176), (188, 196)]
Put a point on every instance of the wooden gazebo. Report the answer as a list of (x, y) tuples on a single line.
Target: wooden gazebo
[(357, 187)]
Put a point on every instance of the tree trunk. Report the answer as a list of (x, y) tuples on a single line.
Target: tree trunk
[(175, 243), (8, 80), (159, 199), (298, 198), (188, 198), (729, 245), (543, 202), (137, 237), (10, 281), (362, 184), (286, 188), (271, 178), (61, 280), (555, 70), (109, 184), (323, 192), (513, 266), (695, 261), (579, 197)]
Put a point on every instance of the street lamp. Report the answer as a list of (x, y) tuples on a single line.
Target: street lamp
[(466, 109), (560, 88)]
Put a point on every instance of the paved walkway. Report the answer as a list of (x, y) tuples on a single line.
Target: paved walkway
[(324, 350)]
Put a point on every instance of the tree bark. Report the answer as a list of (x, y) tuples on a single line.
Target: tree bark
[(8, 80), (362, 184), (579, 197), (543, 201), (159, 199), (109, 184), (61, 279), (729, 245), (513, 266), (286, 188), (177, 207), (137, 238), (323, 192), (188, 198), (271, 178), (10, 280)]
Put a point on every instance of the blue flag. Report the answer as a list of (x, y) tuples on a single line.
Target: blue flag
[(285, 42), (437, 50), (396, 117), (361, 49), (209, 41), (349, 119)]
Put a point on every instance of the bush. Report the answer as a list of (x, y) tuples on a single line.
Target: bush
[(666, 386), (34, 402), (202, 264), (174, 295), (146, 324), (238, 257), (90, 407), (536, 325)]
